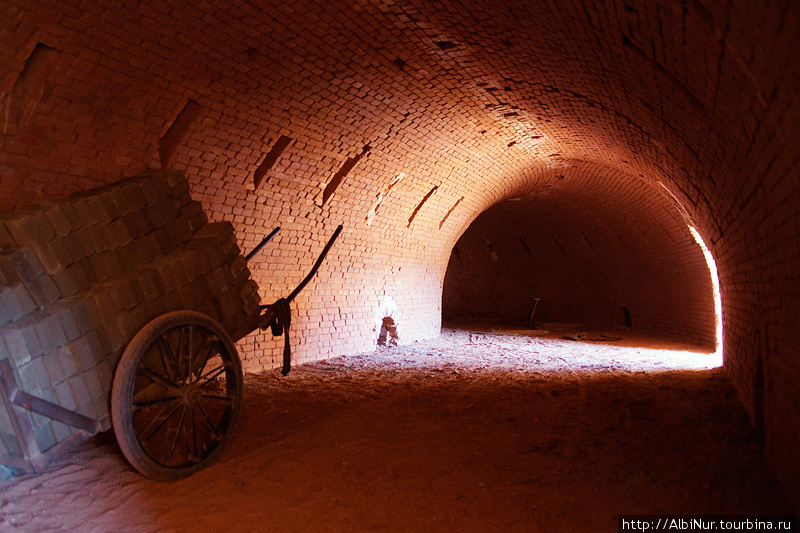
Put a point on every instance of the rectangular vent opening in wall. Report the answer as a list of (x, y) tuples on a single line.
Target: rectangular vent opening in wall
[(177, 133), (379, 200), (32, 87), (419, 206), (270, 159), (450, 212), (337, 178)]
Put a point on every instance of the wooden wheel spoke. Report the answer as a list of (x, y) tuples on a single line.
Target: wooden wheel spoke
[(212, 375), (156, 401), (158, 415), (163, 357), (153, 393), (161, 380), (181, 375), (206, 421), (166, 439), (147, 435), (165, 349), (217, 397), (189, 354), (177, 434), (208, 348)]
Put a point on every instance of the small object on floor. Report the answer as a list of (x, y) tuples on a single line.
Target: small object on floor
[(535, 304), (582, 336), (562, 326), (602, 337), (388, 330)]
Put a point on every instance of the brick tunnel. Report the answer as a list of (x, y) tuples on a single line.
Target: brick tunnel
[(479, 155)]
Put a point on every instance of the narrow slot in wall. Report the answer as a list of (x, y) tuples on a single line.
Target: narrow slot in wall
[(337, 178), (270, 159), (31, 87), (419, 206), (450, 211), (558, 244), (524, 244), (177, 133), (379, 200)]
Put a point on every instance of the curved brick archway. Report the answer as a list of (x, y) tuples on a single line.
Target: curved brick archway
[(588, 244), (406, 120)]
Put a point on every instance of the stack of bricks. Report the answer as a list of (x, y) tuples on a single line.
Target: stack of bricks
[(79, 277)]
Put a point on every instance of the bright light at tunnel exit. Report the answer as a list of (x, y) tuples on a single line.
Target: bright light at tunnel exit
[(712, 269)]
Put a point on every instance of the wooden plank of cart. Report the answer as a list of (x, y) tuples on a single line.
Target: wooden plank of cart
[(177, 391)]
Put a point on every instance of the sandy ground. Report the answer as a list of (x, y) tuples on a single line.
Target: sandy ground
[(473, 431)]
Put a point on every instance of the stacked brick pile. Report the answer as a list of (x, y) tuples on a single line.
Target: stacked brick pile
[(80, 277)]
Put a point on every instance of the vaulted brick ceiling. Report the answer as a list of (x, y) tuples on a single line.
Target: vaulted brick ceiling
[(405, 120)]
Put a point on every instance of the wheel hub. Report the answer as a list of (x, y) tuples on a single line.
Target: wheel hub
[(190, 394)]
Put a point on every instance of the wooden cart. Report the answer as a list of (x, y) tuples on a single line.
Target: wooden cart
[(177, 390)]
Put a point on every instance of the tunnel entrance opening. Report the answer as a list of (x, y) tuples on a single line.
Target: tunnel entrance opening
[(714, 274), (572, 251), (625, 313)]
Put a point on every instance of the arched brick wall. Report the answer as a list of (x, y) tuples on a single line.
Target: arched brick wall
[(405, 120), (591, 243)]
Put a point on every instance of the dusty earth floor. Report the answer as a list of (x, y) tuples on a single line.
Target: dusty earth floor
[(474, 431)]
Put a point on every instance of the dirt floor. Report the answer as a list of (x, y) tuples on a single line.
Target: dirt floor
[(473, 431)]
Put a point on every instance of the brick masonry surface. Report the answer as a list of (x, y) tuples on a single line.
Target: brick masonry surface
[(80, 276), (588, 245), (407, 119)]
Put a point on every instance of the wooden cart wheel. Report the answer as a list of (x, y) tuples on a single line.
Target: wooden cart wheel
[(176, 395)]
